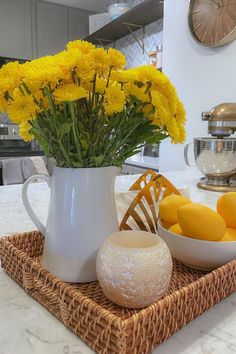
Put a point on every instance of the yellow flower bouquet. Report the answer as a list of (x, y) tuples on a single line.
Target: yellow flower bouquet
[(86, 110)]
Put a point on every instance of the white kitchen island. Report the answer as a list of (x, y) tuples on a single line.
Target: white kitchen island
[(27, 328)]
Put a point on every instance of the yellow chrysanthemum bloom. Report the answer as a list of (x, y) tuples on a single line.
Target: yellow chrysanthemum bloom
[(160, 100), (87, 84), (83, 46), (10, 77), (25, 131), (116, 59), (159, 83), (114, 100), (162, 110), (100, 85), (6, 85), (98, 61), (137, 92), (125, 76), (3, 104), (164, 116), (180, 118), (84, 70), (174, 131), (69, 93), (147, 109), (67, 61), (180, 114), (171, 101), (40, 72), (162, 84), (147, 73), (155, 118), (41, 100), (182, 134), (22, 108)]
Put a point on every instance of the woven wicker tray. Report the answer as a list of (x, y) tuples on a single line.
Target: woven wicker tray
[(105, 327)]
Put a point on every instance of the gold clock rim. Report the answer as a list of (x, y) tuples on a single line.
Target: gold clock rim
[(226, 40)]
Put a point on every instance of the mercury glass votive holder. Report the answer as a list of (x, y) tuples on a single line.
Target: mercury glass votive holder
[(134, 268)]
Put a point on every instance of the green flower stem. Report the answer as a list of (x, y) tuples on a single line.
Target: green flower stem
[(117, 128), (50, 100), (80, 134), (109, 75), (39, 131), (76, 139), (91, 116), (111, 142), (93, 94), (44, 138), (64, 153), (52, 124), (126, 137), (99, 132), (26, 88)]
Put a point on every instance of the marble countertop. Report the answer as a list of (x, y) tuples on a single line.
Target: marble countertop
[(27, 328), (143, 161)]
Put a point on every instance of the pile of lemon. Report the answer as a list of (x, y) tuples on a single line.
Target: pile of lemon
[(180, 216)]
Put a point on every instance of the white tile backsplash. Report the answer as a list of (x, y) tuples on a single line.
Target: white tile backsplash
[(133, 52), (133, 3)]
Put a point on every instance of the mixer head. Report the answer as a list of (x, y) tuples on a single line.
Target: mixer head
[(221, 120)]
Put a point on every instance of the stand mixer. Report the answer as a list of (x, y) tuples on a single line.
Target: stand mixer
[(216, 156)]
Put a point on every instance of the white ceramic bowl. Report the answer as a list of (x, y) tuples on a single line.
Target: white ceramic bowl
[(198, 254)]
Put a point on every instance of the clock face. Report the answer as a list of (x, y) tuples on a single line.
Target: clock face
[(213, 22)]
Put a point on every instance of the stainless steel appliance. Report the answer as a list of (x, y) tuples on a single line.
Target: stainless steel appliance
[(216, 156), (12, 145)]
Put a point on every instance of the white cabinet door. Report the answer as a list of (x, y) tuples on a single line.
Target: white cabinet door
[(15, 29), (52, 28), (78, 24)]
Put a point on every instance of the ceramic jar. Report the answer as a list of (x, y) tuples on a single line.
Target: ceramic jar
[(82, 213), (134, 268)]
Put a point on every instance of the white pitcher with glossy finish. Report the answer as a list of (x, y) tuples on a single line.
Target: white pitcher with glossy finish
[(82, 213)]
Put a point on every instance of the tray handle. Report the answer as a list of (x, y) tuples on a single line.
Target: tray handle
[(26, 202)]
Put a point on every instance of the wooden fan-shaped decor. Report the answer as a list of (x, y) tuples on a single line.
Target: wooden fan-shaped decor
[(143, 180), (165, 187), (143, 212)]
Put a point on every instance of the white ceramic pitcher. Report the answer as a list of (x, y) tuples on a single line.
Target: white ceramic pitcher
[(82, 213)]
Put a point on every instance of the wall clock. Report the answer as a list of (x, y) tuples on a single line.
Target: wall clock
[(212, 22)]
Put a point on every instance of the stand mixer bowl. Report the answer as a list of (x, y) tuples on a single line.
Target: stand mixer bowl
[(216, 159), (216, 156)]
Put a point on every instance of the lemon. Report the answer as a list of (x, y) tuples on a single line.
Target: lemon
[(200, 222), (176, 229), (230, 235), (226, 207), (169, 206), (165, 224)]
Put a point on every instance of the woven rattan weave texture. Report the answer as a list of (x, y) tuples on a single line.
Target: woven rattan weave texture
[(104, 326)]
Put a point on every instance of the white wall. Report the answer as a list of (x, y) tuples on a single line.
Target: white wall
[(204, 77)]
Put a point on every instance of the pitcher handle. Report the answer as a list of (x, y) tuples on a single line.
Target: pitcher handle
[(26, 202), (186, 159)]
